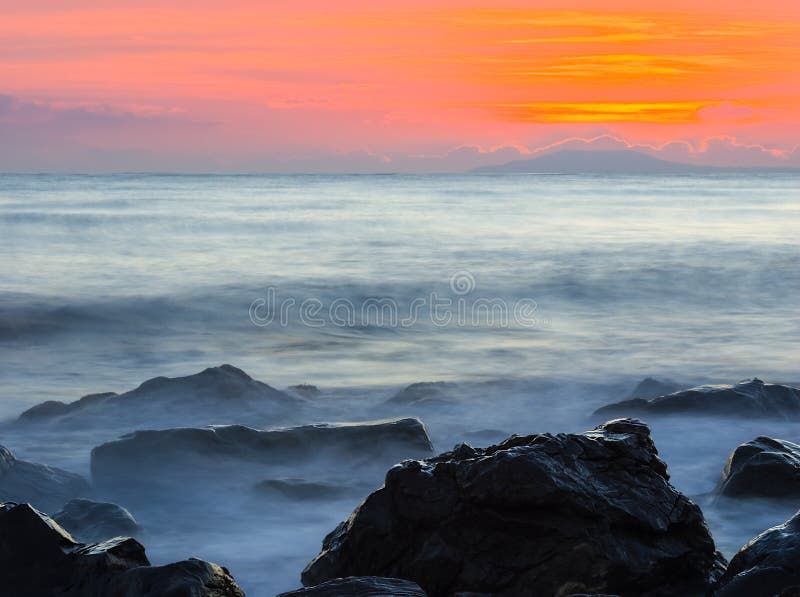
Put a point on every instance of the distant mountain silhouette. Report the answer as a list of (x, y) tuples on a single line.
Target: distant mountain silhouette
[(573, 161)]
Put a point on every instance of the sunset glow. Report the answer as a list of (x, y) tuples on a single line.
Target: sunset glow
[(201, 86)]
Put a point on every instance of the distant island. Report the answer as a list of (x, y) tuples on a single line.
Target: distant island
[(625, 161)]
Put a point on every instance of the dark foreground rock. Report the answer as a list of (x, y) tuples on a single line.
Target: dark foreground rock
[(752, 398), (45, 486), (40, 559), (763, 467), (215, 387), (142, 458), (534, 515), (360, 586), (768, 565), (95, 521)]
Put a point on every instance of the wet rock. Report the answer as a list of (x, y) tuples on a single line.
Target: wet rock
[(767, 566), (216, 387), (95, 521), (47, 487), (360, 586), (763, 467), (534, 515), (38, 558), (141, 459), (301, 490), (751, 398), (425, 393)]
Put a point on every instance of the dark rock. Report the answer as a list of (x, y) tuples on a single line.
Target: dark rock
[(95, 521), (763, 467), (40, 559), (653, 388), (301, 490), (360, 586), (45, 486), (306, 390), (767, 565), (752, 398), (139, 459), (215, 387), (534, 515), (424, 393)]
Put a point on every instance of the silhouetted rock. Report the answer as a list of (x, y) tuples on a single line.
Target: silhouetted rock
[(763, 467), (215, 387), (45, 486), (534, 515), (40, 559), (142, 458), (767, 565), (95, 521), (752, 398), (360, 586), (301, 490), (653, 388), (424, 393)]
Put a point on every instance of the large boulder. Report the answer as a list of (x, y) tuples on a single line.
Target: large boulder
[(768, 565), (142, 459), (95, 521), (534, 515), (763, 467), (38, 558), (219, 388), (47, 487), (360, 586), (751, 398)]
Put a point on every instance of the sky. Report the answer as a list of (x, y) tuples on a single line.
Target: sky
[(379, 86)]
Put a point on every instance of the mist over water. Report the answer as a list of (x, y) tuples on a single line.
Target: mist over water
[(112, 280)]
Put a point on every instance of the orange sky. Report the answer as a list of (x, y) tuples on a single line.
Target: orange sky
[(247, 85)]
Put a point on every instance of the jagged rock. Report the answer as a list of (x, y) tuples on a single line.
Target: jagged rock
[(301, 490), (95, 521), (650, 387), (534, 515), (212, 387), (763, 467), (140, 459), (45, 486), (360, 586), (767, 565), (751, 398), (424, 393), (38, 558)]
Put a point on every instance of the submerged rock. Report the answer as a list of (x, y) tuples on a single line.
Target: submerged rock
[(306, 390), (768, 565), (360, 586), (38, 558), (534, 515), (301, 490), (763, 467), (750, 398), (47, 487), (424, 393), (139, 459), (95, 521), (216, 386)]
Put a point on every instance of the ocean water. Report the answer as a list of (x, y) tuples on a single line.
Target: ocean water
[(548, 295)]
